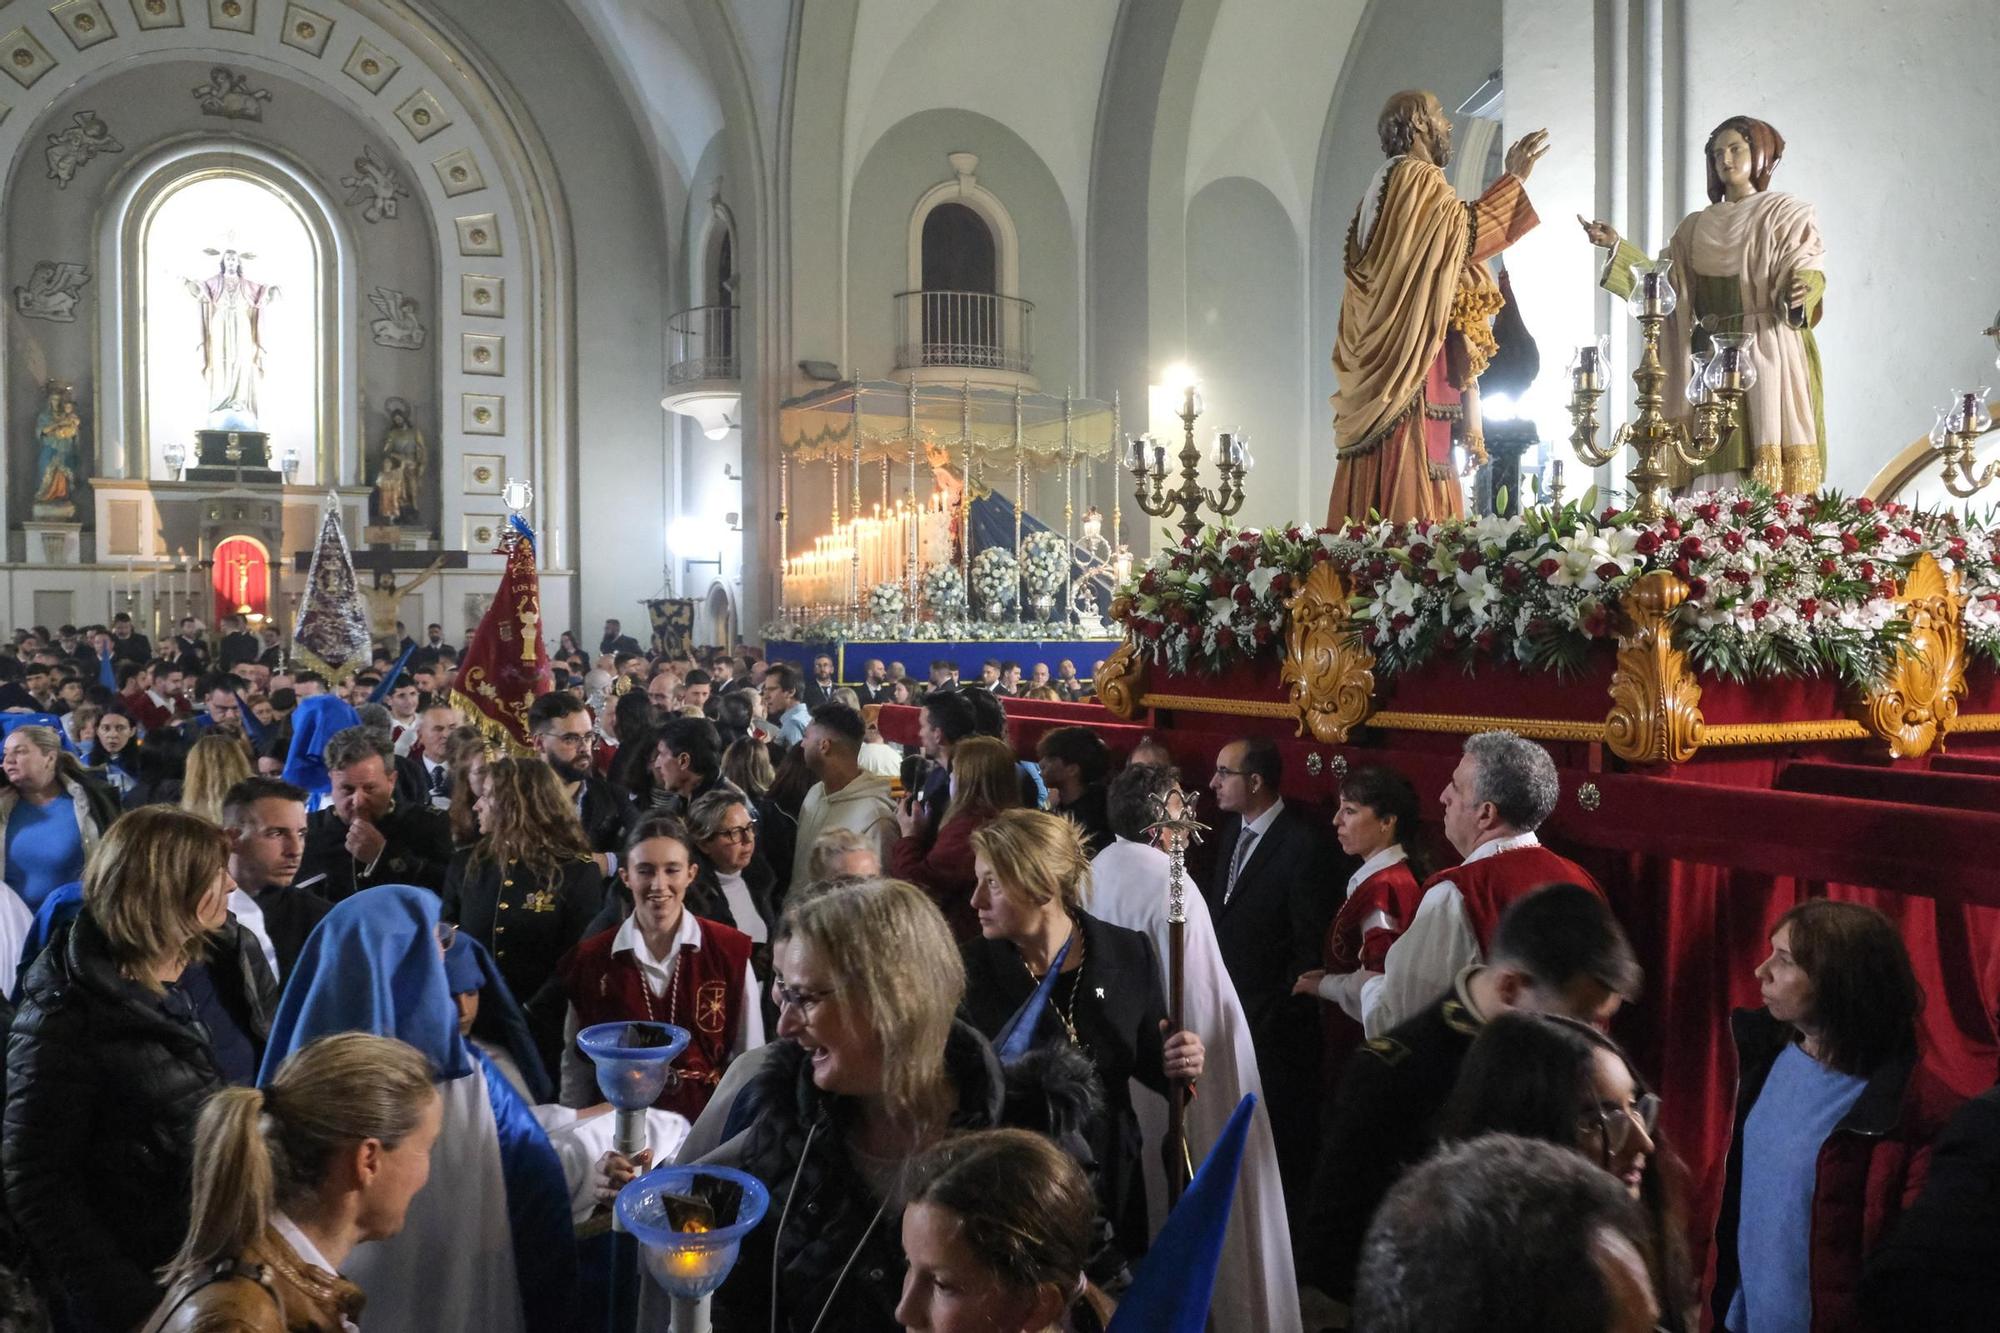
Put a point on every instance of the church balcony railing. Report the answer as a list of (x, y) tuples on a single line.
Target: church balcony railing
[(701, 344), (957, 331)]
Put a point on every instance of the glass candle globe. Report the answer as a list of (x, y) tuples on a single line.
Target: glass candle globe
[(1729, 364), (1590, 364), (1697, 380), (1968, 412), (1653, 289)]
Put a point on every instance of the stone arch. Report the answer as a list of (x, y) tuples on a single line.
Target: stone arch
[(487, 181)]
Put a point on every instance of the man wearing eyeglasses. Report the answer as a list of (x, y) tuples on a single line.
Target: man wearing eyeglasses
[(560, 726)]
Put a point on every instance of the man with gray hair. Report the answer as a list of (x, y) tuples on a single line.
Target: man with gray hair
[(364, 835), (1501, 791)]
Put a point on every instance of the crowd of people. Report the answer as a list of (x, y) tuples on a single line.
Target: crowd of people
[(297, 969)]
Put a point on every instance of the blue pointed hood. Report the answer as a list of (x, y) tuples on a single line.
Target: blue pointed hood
[(1171, 1291), (372, 965), (313, 723)]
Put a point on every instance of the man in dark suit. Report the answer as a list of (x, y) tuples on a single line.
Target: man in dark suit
[(1270, 900), (617, 641), (239, 645), (127, 644), (819, 687), (265, 819), (189, 650), (365, 836)]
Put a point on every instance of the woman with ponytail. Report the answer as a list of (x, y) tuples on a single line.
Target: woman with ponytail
[(290, 1178)]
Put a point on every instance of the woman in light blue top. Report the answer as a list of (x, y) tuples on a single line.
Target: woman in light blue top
[(53, 815), (1835, 1112)]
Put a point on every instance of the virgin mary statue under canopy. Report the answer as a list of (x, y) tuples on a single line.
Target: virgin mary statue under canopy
[(232, 350)]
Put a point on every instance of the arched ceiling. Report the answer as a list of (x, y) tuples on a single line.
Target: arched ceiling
[(1034, 65), (653, 48), (1267, 78)]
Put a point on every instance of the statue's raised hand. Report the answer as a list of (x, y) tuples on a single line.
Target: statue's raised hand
[(1525, 152), (1600, 233)]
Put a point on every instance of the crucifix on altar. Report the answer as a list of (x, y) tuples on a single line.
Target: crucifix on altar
[(377, 569)]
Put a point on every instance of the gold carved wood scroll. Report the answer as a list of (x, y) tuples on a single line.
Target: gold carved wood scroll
[(1913, 709), (1655, 715), (1329, 676)]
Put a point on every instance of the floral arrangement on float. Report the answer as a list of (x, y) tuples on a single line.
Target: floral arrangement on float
[(1045, 566), (944, 591), (886, 605), (1778, 586), (996, 581)]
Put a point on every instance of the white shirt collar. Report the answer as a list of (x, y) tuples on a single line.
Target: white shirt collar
[(1261, 825), (1391, 855), (1499, 845), (630, 939), (301, 1245)]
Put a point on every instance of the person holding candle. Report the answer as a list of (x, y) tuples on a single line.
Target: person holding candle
[(1750, 263)]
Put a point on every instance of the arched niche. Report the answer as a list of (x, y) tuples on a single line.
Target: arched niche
[(481, 180), (127, 326)]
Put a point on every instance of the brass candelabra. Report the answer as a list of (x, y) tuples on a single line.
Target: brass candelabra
[(1147, 459), (1716, 385), (1957, 432)]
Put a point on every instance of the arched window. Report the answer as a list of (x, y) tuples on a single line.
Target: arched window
[(963, 308), (230, 281)]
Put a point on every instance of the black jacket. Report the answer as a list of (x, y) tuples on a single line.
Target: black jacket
[(1092, 814), (1383, 1121), (798, 1139), (528, 922), (1117, 1003), (1271, 929), (289, 916), (816, 692), (237, 649), (623, 643), (417, 851), (603, 812), (1937, 1270), (103, 1086)]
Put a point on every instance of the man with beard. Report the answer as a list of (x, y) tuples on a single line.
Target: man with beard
[(1416, 320), (560, 727)]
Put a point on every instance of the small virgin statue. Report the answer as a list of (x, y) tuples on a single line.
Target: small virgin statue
[(1751, 262), (56, 430)]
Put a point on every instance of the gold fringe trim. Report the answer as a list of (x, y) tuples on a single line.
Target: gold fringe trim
[(1472, 312), (498, 738), (1792, 468)]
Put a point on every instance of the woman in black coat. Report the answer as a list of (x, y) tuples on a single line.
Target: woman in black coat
[(527, 890), (120, 1038), (1032, 869)]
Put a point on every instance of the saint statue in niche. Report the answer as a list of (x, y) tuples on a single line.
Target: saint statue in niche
[(399, 477), (1751, 262), (232, 349), (56, 428)]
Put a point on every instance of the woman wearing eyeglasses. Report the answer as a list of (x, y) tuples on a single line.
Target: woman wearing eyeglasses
[(665, 964), (732, 884), (1542, 1076), (528, 889)]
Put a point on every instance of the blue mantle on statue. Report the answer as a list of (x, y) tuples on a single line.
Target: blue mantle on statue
[(851, 656)]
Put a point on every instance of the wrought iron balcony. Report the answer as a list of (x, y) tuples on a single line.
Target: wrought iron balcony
[(969, 330), (701, 344)]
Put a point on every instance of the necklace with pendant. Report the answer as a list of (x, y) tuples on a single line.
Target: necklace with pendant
[(1068, 1012)]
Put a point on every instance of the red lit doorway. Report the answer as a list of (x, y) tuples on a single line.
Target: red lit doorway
[(241, 579)]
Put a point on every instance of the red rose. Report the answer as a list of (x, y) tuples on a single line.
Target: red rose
[(1468, 560), (1809, 608), (1357, 532), (1152, 629), (1429, 577), (1419, 553), (1447, 641), (1485, 640), (1683, 568), (1672, 528), (1261, 635), (1647, 543), (1697, 588), (1218, 586), (1321, 555), (1149, 583), (1609, 570), (1378, 569), (1401, 621), (1886, 588), (1281, 584), (1912, 535), (1741, 508), (1759, 609), (1511, 575), (1369, 634), (1867, 571), (1864, 504), (1608, 515), (1547, 569), (1178, 614), (1741, 577), (1225, 639), (1732, 540), (1773, 533), (1692, 549), (1828, 567), (1708, 513), (1881, 533), (1242, 594), (1595, 622), (1247, 535)]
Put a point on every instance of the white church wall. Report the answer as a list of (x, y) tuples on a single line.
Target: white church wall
[(1246, 315)]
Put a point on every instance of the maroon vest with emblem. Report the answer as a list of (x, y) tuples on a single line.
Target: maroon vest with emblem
[(1490, 884), (706, 998)]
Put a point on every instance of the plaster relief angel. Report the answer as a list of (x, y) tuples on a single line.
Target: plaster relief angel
[(69, 149), (52, 291), (375, 185), (399, 326)]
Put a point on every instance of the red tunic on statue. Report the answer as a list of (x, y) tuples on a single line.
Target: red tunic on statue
[(705, 997)]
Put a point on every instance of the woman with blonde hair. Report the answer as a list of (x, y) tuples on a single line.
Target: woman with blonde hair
[(997, 1233), (984, 782), (51, 813), (1105, 998), (215, 763), (871, 1068), (152, 999), (290, 1178), (528, 889)]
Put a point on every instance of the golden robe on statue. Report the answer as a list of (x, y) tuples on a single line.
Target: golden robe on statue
[(1416, 331)]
